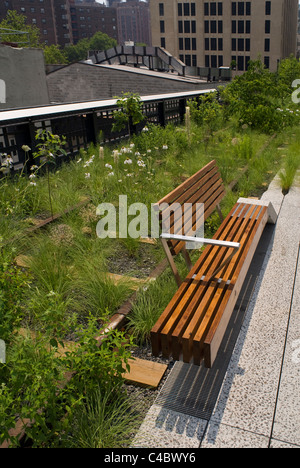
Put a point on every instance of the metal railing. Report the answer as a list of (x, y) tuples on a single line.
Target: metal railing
[(82, 123)]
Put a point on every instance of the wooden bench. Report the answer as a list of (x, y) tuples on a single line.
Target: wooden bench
[(193, 324)]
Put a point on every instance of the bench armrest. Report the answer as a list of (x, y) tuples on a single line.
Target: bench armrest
[(220, 243)]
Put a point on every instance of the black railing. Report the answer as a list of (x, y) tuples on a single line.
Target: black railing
[(82, 123)]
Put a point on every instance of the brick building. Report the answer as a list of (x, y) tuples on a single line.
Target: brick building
[(65, 22)]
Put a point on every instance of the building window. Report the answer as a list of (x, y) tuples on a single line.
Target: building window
[(240, 63), (248, 8), (213, 59), (188, 61), (206, 27), (241, 8), (163, 42), (194, 43), (220, 8), (241, 25), (179, 9), (162, 27), (267, 45), (267, 62), (213, 27), (193, 27), (233, 8), (180, 27), (187, 27), (193, 9), (187, 43), (186, 9), (268, 8), (241, 45), (161, 9), (206, 43), (213, 9), (180, 43), (206, 9), (207, 60), (220, 27), (248, 27), (213, 44), (194, 60), (220, 60), (233, 27), (220, 43), (233, 44), (267, 26)]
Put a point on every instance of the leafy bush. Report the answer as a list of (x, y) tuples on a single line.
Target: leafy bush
[(35, 384), (13, 282)]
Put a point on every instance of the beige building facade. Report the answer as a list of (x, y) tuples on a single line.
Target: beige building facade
[(220, 33)]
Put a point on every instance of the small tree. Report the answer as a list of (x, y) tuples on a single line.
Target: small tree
[(49, 148), (129, 113), (16, 22)]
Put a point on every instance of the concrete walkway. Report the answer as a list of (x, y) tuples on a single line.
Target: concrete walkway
[(258, 405)]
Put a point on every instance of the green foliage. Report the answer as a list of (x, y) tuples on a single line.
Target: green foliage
[(30, 381), (17, 22), (106, 420), (129, 113), (54, 55), (100, 41), (256, 98), (207, 111), (13, 282)]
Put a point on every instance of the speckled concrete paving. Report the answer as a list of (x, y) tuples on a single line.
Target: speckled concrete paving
[(259, 403)]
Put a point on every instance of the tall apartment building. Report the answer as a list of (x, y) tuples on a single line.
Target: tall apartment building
[(214, 34), (133, 22), (89, 18)]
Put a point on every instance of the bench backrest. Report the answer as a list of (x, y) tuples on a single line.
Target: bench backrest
[(206, 186)]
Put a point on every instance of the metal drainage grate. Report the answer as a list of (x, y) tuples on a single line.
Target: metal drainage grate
[(193, 390)]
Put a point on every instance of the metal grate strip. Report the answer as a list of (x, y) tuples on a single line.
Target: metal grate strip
[(193, 390)]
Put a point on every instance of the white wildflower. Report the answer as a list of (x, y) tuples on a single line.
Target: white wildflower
[(87, 175), (34, 168), (128, 161), (26, 148), (32, 176), (165, 147), (33, 183), (108, 166), (111, 174)]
